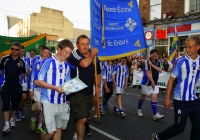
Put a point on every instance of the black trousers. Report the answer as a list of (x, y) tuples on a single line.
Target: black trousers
[(183, 110), (106, 96)]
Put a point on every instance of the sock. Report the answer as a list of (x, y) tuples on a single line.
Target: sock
[(33, 119), (7, 124), (20, 109), (154, 107), (115, 107), (39, 125), (95, 116), (11, 119), (121, 110), (140, 103), (100, 106)]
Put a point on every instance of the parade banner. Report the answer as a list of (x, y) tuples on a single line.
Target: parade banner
[(162, 81), (116, 28), (32, 42)]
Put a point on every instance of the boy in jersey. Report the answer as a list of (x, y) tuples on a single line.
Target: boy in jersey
[(149, 82), (186, 102), (36, 91), (52, 75), (120, 79)]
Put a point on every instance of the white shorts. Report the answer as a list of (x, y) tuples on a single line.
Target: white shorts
[(37, 94), (55, 115), (119, 90), (24, 87), (101, 90), (147, 90)]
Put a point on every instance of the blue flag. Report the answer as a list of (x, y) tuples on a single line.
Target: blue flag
[(116, 28)]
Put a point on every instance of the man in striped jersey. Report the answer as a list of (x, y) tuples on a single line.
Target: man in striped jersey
[(52, 75), (108, 84), (120, 79), (186, 102), (35, 92)]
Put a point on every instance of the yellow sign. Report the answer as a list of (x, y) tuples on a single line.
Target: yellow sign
[(137, 43), (7, 41), (130, 4)]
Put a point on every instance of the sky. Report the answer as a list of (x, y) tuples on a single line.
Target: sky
[(77, 11)]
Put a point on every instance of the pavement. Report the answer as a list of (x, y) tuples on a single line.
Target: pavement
[(112, 126)]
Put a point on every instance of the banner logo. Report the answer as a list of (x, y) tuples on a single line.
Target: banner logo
[(130, 24)]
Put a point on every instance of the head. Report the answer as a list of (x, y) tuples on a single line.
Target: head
[(32, 53), (65, 47), (22, 51), (123, 61), (15, 49), (45, 52), (41, 48), (82, 43), (192, 45), (154, 54), (159, 57)]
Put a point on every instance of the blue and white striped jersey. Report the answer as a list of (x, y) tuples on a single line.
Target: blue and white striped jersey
[(34, 74), (187, 72), (29, 61), (121, 73), (54, 73), (35, 59), (107, 73), (23, 81)]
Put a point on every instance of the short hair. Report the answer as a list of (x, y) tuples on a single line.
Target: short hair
[(153, 51), (31, 50), (81, 36), (41, 47), (45, 48), (16, 44), (65, 43), (22, 47), (195, 39)]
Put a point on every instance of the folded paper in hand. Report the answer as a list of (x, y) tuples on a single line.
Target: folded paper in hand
[(73, 85)]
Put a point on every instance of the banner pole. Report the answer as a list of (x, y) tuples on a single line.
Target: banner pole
[(96, 86)]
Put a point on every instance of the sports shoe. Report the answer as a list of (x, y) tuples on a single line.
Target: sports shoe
[(6, 129), (40, 130), (115, 109), (32, 125), (87, 132), (158, 116), (154, 136), (21, 113), (95, 119), (75, 137), (122, 114), (12, 123), (106, 106), (139, 112), (17, 117)]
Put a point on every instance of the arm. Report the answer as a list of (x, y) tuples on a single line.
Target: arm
[(168, 92), (155, 67)]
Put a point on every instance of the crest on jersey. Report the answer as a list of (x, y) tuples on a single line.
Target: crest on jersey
[(18, 64), (38, 67)]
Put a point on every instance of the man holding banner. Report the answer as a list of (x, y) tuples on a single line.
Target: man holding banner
[(149, 84)]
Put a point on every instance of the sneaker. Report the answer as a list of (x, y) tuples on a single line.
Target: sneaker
[(154, 136), (17, 117), (75, 137), (95, 119), (40, 130), (28, 103), (139, 112), (122, 114), (101, 112), (115, 109), (158, 116), (106, 106), (12, 123), (32, 125), (6, 129), (87, 132), (21, 113)]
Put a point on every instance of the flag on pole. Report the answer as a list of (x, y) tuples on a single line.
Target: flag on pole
[(174, 48), (116, 28)]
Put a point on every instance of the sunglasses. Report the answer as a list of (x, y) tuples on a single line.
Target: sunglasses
[(14, 49)]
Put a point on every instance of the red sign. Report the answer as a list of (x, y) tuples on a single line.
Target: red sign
[(148, 35), (161, 32)]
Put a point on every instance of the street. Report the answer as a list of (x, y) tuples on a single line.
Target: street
[(112, 126)]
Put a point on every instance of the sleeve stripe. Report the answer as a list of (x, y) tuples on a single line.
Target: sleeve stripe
[(76, 55)]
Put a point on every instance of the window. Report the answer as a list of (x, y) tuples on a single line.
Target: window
[(194, 5), (155, 9)]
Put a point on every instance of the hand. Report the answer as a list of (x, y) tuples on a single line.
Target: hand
[(167, 103), (153, 85), (150, 63), (115, 84), (31, 93), (59, 89), (94, 51), (125, 87), (97, 91), (107, 90)]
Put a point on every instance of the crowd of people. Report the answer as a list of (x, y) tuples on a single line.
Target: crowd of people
[(39, 80)]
